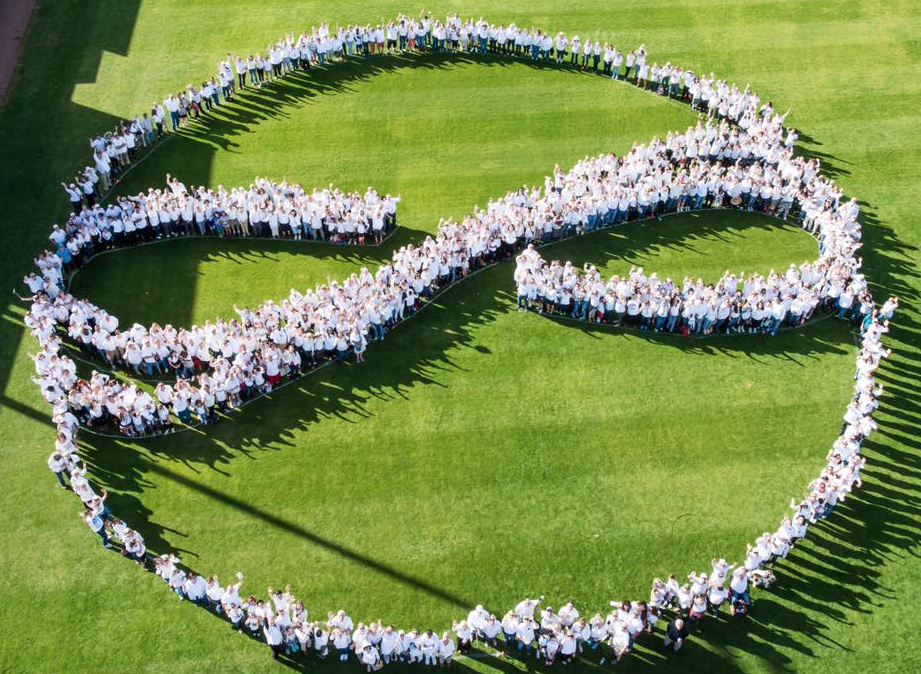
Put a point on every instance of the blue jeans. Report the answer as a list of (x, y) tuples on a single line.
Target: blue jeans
[(174, 118), (744, 596)]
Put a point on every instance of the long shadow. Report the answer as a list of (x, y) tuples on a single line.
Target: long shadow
[(29, 191), (295, 529)]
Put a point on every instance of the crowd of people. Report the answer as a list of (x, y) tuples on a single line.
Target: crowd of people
[(113, 152), (741, 156), (264, 209)]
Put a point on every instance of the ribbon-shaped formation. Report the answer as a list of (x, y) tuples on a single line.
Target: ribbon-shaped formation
[(739, 156)]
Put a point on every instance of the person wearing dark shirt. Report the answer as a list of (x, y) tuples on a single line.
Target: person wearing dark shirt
[(675, 634)]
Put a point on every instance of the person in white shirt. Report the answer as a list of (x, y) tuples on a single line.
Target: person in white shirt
[(97, 525), (369, 657), (58, 465), (429, 645), (195, 589), (342, 641), (273, 637), (445, 650), (738, 585), (465, 635), (490, 632), (525, 635), (526, 607)]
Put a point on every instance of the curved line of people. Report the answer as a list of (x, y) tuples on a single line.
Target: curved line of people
[(264, 209), (736, 304), (283, 622), (244, 212), (741, 153), (220, 364)]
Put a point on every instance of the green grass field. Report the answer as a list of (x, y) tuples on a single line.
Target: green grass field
[(480, 454)]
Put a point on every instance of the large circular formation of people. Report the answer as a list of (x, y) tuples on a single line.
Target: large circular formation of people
[(738, 155)]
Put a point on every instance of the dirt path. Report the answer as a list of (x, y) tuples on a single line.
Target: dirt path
[(13, 25)]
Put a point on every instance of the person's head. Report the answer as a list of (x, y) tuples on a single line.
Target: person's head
[(679, 623)]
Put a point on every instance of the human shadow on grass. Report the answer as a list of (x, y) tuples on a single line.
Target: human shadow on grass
[(891, 266), (830, 164)]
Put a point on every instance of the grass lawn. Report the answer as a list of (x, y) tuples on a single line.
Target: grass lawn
[(480, 454)]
